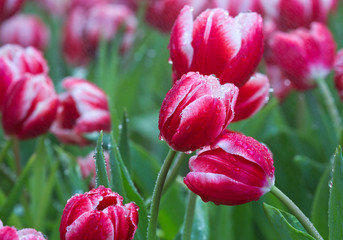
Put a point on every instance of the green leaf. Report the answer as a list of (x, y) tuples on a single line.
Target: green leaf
[(200, 230), (286, 224), (16, 192), (320, 206), (124, 142), (131, 193), (336, 198), (116, 174), (100, 164)]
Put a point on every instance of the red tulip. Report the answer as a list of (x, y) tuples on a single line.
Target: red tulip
[(252, 97), (83, 109), (292, 14), (9, 7), (30, 107), (85, 27), (162, 14), (98, 214), (215, 43), (195, 111), (11, 233), (16, 62), (87, 167), (236, 170), (25, 30), (304, 55)]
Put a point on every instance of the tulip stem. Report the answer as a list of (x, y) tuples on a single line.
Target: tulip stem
[(296, 212), (330, 104), (156, 196), (180, 158), (16, 153), (188, 222)]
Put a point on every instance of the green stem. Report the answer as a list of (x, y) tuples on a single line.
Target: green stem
[(16, 152), (188, 222), (180, 159), (330, 104), (296, 212), (156, 196)]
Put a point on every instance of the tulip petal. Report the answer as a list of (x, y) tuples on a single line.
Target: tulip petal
[(8, 233)]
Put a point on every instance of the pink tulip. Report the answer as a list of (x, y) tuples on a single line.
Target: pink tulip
[(236, 170), (338, 67), (87, 167), (30, 107), (195, 111), (83, 109), (16, 62), (11, 233), (98, 214), (215, 43), (292, 14), (9, 7), (162, 14), (252, 97), (25, 30), (304, 55), (85, 27)]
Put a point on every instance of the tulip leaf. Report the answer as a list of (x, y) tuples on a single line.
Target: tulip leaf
[(16, 192), (131, 192), (124, 142), (286, 224), (336, 198), (100, 164), (320, 206)]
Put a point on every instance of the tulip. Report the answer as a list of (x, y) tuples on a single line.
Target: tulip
[(235, 7), (85, 27), (30, 107), (25, 30), (16, 62), (252, 97), (236, 169), (304, 55), (292, 14), (215, 43), (9, 7), (98, 214), (195, 111), (83, 109), (87, 167), (11, 233), (162, 14), (338, 67)]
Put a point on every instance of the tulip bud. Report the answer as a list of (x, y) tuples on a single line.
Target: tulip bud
[(9, 7), (98, 214), (215, 43), (195, 111), (87, 167), (25, 30), (304, 55), (252, 97), (11, 233), (83, 109), (236, 170), (15, 62), (30, 107), (292, 14)]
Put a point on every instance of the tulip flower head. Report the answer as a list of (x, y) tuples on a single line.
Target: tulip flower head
[(216, 43), (30, 107), (304, 55), (195, 111), (236, 169), (11, 233), (83, 109), (98, 214)]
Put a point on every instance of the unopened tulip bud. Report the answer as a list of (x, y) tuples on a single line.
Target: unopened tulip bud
[(25, 30), (83, 109), (216, 43), (30, 107), (236, 170), (195, 111), (98, 214)]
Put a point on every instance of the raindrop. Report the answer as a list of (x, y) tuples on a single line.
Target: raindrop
[(330, 184), (160, 137), (188, 152)]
